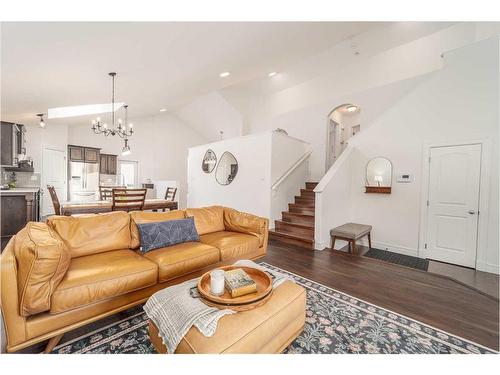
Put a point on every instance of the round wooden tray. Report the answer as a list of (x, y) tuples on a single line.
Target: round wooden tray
[(245, 307), (261, 278)]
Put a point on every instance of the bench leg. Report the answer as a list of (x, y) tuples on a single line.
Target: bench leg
[(369, 241), (52, 343), (353, 247), (333, 242)]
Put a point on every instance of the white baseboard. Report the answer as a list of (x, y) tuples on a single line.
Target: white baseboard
[(339, 244), (320, 245), (487, 267)]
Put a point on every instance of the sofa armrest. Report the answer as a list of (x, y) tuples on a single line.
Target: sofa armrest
[(15, 324), (242, 222), (42, 260)]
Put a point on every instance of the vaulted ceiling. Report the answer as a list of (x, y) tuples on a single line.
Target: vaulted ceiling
[(159, 65)]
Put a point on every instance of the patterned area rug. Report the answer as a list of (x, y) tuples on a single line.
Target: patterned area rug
[(401, 259), (335, 323)]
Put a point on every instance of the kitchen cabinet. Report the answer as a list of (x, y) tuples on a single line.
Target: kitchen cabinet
[(76, 153), (7, 144), (18, 207), (108, 164), (82, 153), (91, 155)]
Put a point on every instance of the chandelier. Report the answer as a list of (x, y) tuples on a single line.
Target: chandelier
[(124, 130)]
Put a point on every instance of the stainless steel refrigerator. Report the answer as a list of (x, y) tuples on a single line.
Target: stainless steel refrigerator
[(83, 181)]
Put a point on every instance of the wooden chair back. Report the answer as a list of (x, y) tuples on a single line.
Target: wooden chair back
[(128, 199), (106, 192), (55, 200), (170, 194)]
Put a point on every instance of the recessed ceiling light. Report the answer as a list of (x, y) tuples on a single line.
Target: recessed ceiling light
[(163, 110), (272, 74), (351, 108), (224, 74)]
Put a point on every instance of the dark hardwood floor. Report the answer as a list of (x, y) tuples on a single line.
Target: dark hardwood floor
[(434, 299)]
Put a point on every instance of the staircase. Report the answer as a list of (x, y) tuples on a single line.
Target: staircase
[(296, 226)]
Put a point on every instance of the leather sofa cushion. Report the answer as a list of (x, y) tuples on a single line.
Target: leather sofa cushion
[(231, 244), (42, 261), (181, 259), (93, 234), (236, 221), (267, 329), (149, 217), (96, 277), (208, 219)]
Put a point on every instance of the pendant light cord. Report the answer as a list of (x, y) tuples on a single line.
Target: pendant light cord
[(113, 102)]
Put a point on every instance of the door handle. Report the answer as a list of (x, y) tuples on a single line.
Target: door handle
[(472, 212)]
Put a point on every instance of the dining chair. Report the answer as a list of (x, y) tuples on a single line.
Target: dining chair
[(55, 200), (128, 199), (106, 192), (170, 194)]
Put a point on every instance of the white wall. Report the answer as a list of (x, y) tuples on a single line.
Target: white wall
[(392, 61), (332, 205), (160, 145), (286, 151), (209, 115), (258, 170), (53, 135), (458, 103), (249, 191)]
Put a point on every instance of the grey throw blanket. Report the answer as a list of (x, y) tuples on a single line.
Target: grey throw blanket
[(174, 310)]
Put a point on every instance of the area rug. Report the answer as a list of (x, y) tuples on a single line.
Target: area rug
[(335, 323), (401, 259)]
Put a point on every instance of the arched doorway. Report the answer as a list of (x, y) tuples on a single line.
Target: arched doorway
[(342, 124)]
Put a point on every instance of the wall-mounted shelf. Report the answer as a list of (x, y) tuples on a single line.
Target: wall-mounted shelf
[(378, 189)]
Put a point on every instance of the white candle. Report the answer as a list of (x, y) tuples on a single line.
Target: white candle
[(217, 282)]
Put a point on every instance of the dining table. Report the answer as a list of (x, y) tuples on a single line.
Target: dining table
[(95, 207)]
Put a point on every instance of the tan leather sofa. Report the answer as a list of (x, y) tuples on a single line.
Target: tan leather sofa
[(71, 271)]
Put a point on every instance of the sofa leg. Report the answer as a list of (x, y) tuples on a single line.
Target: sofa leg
[(52, 343)]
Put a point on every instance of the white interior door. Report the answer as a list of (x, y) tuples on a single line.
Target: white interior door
[(53, 173), (454, 181)]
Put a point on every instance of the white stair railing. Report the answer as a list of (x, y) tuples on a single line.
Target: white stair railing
[(290, 170)]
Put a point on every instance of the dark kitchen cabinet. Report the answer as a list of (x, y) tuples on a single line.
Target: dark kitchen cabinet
[(81, 153), (76, 153), (108, 164), (91, 155), (7, 143), (103, 165), (17, 209)]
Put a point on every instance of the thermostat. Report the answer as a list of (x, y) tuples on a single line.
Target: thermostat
[(405, 177)]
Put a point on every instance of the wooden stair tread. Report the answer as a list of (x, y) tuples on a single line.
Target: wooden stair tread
[(281, 233), (298, 214), (298, 225)]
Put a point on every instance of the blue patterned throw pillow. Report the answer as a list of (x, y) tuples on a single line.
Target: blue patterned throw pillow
[(167, 233)]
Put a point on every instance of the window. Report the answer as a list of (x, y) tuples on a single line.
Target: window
[(128, 173)]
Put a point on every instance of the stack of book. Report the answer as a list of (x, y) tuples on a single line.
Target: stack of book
[(238, 283)]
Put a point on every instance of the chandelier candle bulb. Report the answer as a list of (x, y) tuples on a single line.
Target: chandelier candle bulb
[(217, 282)]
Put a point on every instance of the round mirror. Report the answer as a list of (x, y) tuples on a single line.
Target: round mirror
[(209, 161), (227, 169), (379, 172)]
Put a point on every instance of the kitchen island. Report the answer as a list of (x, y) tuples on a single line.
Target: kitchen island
[(18, 206)]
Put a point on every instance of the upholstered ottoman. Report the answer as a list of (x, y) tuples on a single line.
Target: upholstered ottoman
[(266, 329)]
